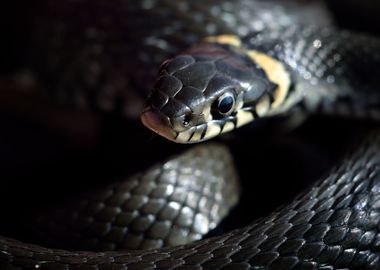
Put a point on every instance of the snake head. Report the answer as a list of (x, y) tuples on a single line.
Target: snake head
[(208, 90)]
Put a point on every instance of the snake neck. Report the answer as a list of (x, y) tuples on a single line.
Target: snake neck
[(332, 71), (278, 74)]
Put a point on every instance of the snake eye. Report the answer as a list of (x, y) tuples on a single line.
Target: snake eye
[(225, 104)]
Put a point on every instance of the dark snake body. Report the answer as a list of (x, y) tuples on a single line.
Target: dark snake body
[(108, 41), (332, 225)]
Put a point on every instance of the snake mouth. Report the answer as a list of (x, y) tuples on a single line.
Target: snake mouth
[(161, 125), (158, 123)]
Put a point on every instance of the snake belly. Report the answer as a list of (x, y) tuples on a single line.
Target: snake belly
[(332, 225)]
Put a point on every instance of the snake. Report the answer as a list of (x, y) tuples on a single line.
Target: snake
[(227, 65)]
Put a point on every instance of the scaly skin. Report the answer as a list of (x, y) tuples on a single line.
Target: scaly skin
[(332, 225)]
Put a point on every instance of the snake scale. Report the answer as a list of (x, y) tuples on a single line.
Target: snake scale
[(89, 58)]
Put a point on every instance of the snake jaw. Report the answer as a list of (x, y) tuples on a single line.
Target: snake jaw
[(160, 124)]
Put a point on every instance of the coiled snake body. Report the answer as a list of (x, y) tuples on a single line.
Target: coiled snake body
[(246, 70)]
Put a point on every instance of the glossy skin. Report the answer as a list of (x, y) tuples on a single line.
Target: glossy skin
[(174, 202), (204, 92), (332, 225), (329, 71)]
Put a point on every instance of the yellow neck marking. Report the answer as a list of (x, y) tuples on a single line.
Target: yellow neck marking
[(224, 39), (276, 72)]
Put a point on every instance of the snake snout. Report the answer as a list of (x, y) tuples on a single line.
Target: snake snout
[(157, 122)]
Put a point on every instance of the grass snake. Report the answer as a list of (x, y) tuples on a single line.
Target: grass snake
[(250, 61)]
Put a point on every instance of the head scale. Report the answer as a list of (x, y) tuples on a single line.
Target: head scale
[(208, 90)]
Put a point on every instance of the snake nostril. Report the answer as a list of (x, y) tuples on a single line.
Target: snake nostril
[(164, 65)]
